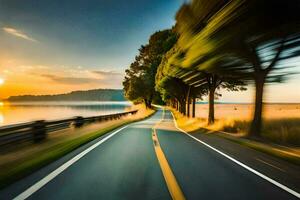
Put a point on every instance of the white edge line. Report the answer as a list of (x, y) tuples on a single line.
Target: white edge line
[(240, 163), (38, 185)]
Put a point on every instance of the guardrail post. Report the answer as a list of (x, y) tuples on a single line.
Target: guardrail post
[(99, 119), (39, 130), (79, 121)]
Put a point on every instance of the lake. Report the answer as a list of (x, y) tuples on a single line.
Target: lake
[(19, 112)]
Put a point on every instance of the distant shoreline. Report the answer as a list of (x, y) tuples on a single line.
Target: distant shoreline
[(87, 95)]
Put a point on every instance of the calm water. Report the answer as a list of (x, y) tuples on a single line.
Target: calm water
[(12, 113)]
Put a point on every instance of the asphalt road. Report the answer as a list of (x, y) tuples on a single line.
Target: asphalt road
[(126, 166)]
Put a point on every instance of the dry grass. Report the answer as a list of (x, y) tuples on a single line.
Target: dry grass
[(281, 131), (284, 131)]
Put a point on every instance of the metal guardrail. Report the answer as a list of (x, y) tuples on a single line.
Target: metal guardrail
[(37, 131)]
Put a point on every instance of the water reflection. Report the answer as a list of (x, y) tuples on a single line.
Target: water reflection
[(11, 113)]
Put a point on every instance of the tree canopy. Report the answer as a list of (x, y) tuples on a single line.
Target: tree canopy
[(139, 82)]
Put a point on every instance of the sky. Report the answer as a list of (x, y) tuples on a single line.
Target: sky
[(57, 46)]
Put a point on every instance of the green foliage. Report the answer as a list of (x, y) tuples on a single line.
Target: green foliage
[(239, 37), (238, 40), (171, 87), (139, 83)]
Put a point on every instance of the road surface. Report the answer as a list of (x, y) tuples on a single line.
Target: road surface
[(152, 159)]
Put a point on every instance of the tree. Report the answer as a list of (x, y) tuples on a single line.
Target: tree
[(249, 39), (139, 82), (210, 83), (137, 90), (202, 81), (271, 37)]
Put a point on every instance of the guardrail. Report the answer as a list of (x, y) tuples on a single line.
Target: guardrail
[(37, 131)]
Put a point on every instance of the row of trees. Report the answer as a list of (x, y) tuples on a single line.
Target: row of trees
[(224, 44)]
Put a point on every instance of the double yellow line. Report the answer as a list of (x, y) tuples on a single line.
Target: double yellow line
[(170, 179)]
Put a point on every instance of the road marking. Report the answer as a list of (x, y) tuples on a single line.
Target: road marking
[(38, 185), (170, 179), (240, 163), (269, 164)]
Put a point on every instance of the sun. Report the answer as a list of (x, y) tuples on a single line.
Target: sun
[(1, 81)]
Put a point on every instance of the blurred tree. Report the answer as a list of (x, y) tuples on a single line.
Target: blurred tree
[(249, 39), (259, 49)]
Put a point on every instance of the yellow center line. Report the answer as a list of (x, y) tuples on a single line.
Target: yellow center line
[(170, 179)]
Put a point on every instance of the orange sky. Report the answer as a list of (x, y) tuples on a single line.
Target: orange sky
[(38, 79)]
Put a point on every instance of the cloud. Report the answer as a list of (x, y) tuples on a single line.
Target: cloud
[(18, 33), (78, 77), (107, 73), (110, 79), (69, 80)]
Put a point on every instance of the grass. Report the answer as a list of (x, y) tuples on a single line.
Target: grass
[(285, 131), (281, 123), (32, 161), (280, 137), (280, 131)]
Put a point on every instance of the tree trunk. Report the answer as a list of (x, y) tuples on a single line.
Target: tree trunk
[(180, 107), (149, 103), (183, 107), (256, 124), (188, 107), (211, 109), (146, 103), (188, 101), (194, 108)]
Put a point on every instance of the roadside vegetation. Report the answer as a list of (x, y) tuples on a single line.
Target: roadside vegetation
[(217, 46), (283, 131), (22, 160)]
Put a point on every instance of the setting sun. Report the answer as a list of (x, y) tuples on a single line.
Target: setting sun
[(1, 81)]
